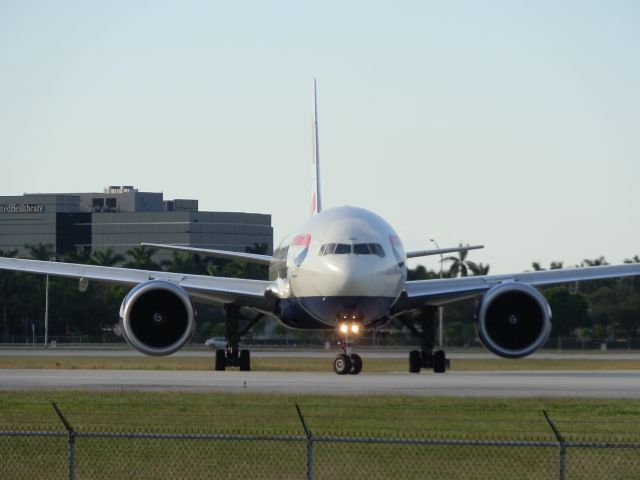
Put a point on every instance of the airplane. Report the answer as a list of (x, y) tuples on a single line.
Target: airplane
[(343, 270)]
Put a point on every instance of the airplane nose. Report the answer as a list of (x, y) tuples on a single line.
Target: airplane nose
[(353, 280), (362, 276), (360, 287), (352, 276)]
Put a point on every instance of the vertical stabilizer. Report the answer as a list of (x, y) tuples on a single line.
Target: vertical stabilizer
[(316, 204)]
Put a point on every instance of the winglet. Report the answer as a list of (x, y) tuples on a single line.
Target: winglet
[(316, 202)]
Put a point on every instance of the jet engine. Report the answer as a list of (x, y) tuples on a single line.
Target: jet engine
[(157, 317), (513, 320)]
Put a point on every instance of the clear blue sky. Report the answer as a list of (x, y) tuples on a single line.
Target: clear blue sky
[(510, 123)]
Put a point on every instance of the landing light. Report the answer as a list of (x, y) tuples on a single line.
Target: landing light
[(346, 328)]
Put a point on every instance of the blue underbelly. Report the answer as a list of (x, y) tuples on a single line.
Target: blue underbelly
[(326, 312)]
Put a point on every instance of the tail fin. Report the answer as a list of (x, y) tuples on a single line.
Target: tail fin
[(316, 203)]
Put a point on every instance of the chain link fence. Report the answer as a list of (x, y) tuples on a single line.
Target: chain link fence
[(98, 454)]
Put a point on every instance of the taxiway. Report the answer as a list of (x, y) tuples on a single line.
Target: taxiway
[(583, 384), (284, 352)]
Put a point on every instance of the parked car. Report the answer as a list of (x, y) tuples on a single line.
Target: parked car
[(216, 342)]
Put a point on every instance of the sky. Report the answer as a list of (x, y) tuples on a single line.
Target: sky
[(512, 124)]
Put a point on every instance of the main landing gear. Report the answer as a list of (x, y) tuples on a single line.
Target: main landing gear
[(427, 356), (232, 356)]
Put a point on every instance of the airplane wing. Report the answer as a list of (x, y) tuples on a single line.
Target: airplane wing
[(240, 256), (215, 290), (446, 290), (440, 251)]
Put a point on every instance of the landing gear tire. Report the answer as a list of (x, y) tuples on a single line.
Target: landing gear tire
[(356, 364), (439, 362), (245, 361), (415, 361), (342, 364), (221, 360)]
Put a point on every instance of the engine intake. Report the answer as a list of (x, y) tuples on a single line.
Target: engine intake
[(513, 320), (157, 317)]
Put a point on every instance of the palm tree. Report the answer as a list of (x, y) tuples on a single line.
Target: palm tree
[(180, 263), (537, 266), (41, 251), (212, 271), (421, 273), (554, 265), (479, 268), (241, 269), (460, 266), (596, 262), (81, 255), (106, 258), (141, 258), (8, 253)]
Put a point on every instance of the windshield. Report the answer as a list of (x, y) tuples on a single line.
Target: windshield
[(356, 249)]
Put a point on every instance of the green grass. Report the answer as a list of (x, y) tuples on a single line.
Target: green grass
[(375, 415), (273, 414), (371, 365), (380, 416)]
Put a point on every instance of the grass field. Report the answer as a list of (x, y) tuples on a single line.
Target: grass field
[(389, 416), (373, 365), (379, 416), (375, 415)]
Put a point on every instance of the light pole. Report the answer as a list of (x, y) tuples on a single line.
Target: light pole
[(46, 309), (440, 310)]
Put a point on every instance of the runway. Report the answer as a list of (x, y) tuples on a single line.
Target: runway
[(584, 384), (283, 352)]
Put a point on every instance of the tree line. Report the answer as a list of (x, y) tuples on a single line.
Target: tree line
[(95, 311), (603, 309), (598, 309)]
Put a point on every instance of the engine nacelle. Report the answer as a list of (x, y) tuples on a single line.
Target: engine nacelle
[(513, 320), (157, 317)]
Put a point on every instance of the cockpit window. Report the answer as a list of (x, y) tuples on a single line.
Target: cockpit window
[(357, 249), (376, 249), (342, 248), (327, 249), (368, 249), (361, 249)]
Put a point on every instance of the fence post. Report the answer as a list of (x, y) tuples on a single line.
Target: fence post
[(71, 444), (563, 447), (309, 444)]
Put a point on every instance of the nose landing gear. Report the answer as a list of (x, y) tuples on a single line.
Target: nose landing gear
[(347, 362)]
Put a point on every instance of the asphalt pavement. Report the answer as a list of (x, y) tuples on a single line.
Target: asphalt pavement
[(284, 352), (583, 384)]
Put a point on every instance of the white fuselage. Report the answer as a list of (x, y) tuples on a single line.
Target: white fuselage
[(345, 263)]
